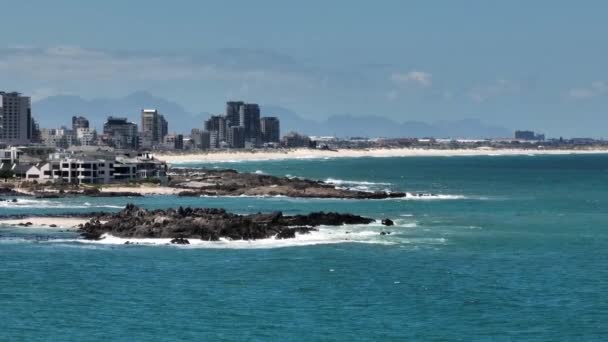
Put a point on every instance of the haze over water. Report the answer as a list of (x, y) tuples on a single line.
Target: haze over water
[(511, 248)]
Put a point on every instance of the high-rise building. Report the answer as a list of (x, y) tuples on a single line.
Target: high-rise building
[(205, 140), (237, 137), (16, 124), (270, 129), (121, 133), (154, 128), (249, 118), (200, 139), (214, 141), (79, 122), (233, 113), (217, 123)]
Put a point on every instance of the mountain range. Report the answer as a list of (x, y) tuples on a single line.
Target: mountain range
[(55, 111)]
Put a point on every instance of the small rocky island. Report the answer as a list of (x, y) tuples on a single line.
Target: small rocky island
[(209, 224), (227, 182)]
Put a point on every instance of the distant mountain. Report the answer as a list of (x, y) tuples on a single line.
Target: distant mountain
[(58, 110), (377, 126)]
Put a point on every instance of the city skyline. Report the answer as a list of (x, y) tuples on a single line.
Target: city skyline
[(511, 64)]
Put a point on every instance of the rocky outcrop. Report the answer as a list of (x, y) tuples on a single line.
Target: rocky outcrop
[(387, 222), (91, 192), (209, 224), (203, 182)]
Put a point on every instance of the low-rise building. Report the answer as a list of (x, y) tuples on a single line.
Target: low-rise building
[(82, 169), (10, 155)]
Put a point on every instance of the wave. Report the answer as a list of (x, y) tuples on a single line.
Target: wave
[(429, 197), (352, 182), (44, 204)]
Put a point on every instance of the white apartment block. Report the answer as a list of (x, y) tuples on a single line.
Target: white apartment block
[(84, 170)]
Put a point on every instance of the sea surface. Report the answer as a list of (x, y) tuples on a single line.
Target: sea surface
[(508, 248)]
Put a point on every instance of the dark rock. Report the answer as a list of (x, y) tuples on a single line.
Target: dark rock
[(388, 222), (180, 241), (209, 224), (53, 225), (14, 200)]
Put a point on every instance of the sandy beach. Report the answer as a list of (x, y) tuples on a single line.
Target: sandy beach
[(236, 156), (144, 190), (46, 222)]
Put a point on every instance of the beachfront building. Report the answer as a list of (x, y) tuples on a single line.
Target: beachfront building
[(10, 155), (249, 118), (200, 140), (294, 139), (74, 169), (236, 137), (270, 130)]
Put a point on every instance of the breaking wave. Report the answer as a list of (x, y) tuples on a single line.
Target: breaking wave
[(44, 204)]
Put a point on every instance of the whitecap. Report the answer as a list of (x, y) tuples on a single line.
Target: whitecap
[(353, 182)]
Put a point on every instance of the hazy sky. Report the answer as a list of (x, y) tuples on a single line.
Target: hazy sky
[(522, 64)]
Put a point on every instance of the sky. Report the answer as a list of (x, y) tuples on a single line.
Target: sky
[(540, 65)]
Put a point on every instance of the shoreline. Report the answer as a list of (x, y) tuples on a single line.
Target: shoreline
[(295, 154), (44, 222)]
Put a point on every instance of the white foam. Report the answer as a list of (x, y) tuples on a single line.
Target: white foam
[(427, 197), (259, 172), (321, 237), (352, 182), (43, 204)]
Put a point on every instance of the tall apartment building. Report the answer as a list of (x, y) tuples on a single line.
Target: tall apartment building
[(236, 137), (249, 119), (121, 133), (200, 139), (154, 128), (16, 124), (270, 129), (233, 109), (218, 123)]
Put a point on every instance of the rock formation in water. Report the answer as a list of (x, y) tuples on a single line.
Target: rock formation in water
[(209, 224), (204, 182)]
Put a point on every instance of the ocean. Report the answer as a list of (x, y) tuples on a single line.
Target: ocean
[(502, 248)]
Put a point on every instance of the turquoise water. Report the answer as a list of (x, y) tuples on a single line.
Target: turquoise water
[(511, 248)]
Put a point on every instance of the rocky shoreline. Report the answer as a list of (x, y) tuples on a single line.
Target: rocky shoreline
[(209, 224), (208, 182), (227, 182)]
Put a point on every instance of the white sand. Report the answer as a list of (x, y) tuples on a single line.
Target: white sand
[(37, 222), (235, 156), (144, 190)]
